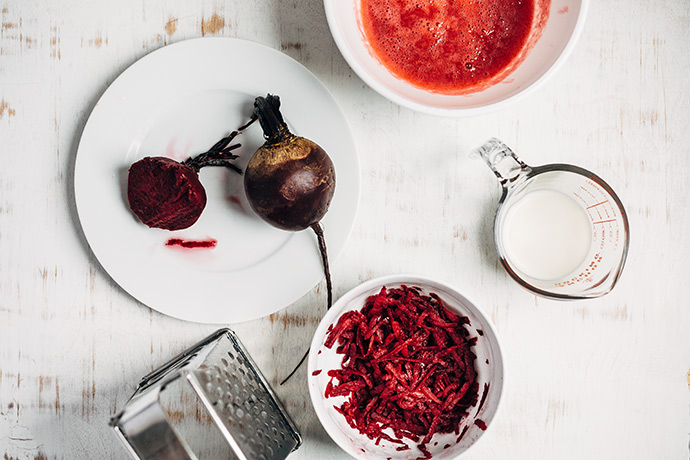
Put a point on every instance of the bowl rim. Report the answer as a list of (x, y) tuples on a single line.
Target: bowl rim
[(334, 313), (453, 112)]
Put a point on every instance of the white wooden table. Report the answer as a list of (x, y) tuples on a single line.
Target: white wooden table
[(600, 379)]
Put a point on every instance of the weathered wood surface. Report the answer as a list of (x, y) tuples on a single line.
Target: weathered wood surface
[(602, 379)]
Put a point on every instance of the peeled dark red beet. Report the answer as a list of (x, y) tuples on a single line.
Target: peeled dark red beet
[(164, 193)]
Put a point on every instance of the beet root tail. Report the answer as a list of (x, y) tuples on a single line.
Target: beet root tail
[(318, 229)]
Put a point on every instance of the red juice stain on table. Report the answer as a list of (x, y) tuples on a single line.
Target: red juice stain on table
[(448, 46)]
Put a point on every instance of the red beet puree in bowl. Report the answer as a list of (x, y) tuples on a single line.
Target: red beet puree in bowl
[(451, 46)]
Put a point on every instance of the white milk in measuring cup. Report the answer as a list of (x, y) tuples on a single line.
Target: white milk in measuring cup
[(560, 231), (546, 234)]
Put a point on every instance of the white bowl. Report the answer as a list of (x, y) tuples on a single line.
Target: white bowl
[(488, 364), (558, 38)]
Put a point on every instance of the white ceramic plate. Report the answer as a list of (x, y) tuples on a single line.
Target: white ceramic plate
[(488, 364), (177, 102)]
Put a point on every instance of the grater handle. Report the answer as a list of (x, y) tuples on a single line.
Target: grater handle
[(154, 376)]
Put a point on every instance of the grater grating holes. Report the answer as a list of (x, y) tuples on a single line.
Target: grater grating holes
[(242, 401)]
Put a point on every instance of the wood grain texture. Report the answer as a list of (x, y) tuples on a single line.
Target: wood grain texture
[(600, 379)]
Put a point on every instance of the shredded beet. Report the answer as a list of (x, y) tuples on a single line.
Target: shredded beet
[(407, 366), (481, 424), (484, 395), (462, 434)]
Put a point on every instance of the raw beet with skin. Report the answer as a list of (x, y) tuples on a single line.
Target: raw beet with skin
[(164, 193), (290, 182)]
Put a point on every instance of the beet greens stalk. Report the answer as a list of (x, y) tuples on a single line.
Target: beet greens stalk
[(219, 154)]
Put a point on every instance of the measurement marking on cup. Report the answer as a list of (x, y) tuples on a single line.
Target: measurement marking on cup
[(603, 221), (595, 205)]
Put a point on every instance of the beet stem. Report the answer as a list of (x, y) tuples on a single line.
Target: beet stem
[(329, 285), (296, 367), (219, 154), (267, 110), (324, 259), (248, 124)]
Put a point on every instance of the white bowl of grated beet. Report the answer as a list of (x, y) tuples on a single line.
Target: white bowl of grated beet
[(405, 367)]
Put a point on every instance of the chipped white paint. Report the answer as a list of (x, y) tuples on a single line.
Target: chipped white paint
[(597, 379)]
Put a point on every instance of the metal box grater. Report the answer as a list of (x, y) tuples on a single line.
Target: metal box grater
[(219, 374)]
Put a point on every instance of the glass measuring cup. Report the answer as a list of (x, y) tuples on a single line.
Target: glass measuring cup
[(560, 231)]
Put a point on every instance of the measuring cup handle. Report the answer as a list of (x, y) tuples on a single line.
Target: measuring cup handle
[(494, 152)]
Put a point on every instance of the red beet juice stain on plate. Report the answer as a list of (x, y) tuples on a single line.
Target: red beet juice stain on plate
[(192, 244), (236, 201), (171, 148)]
